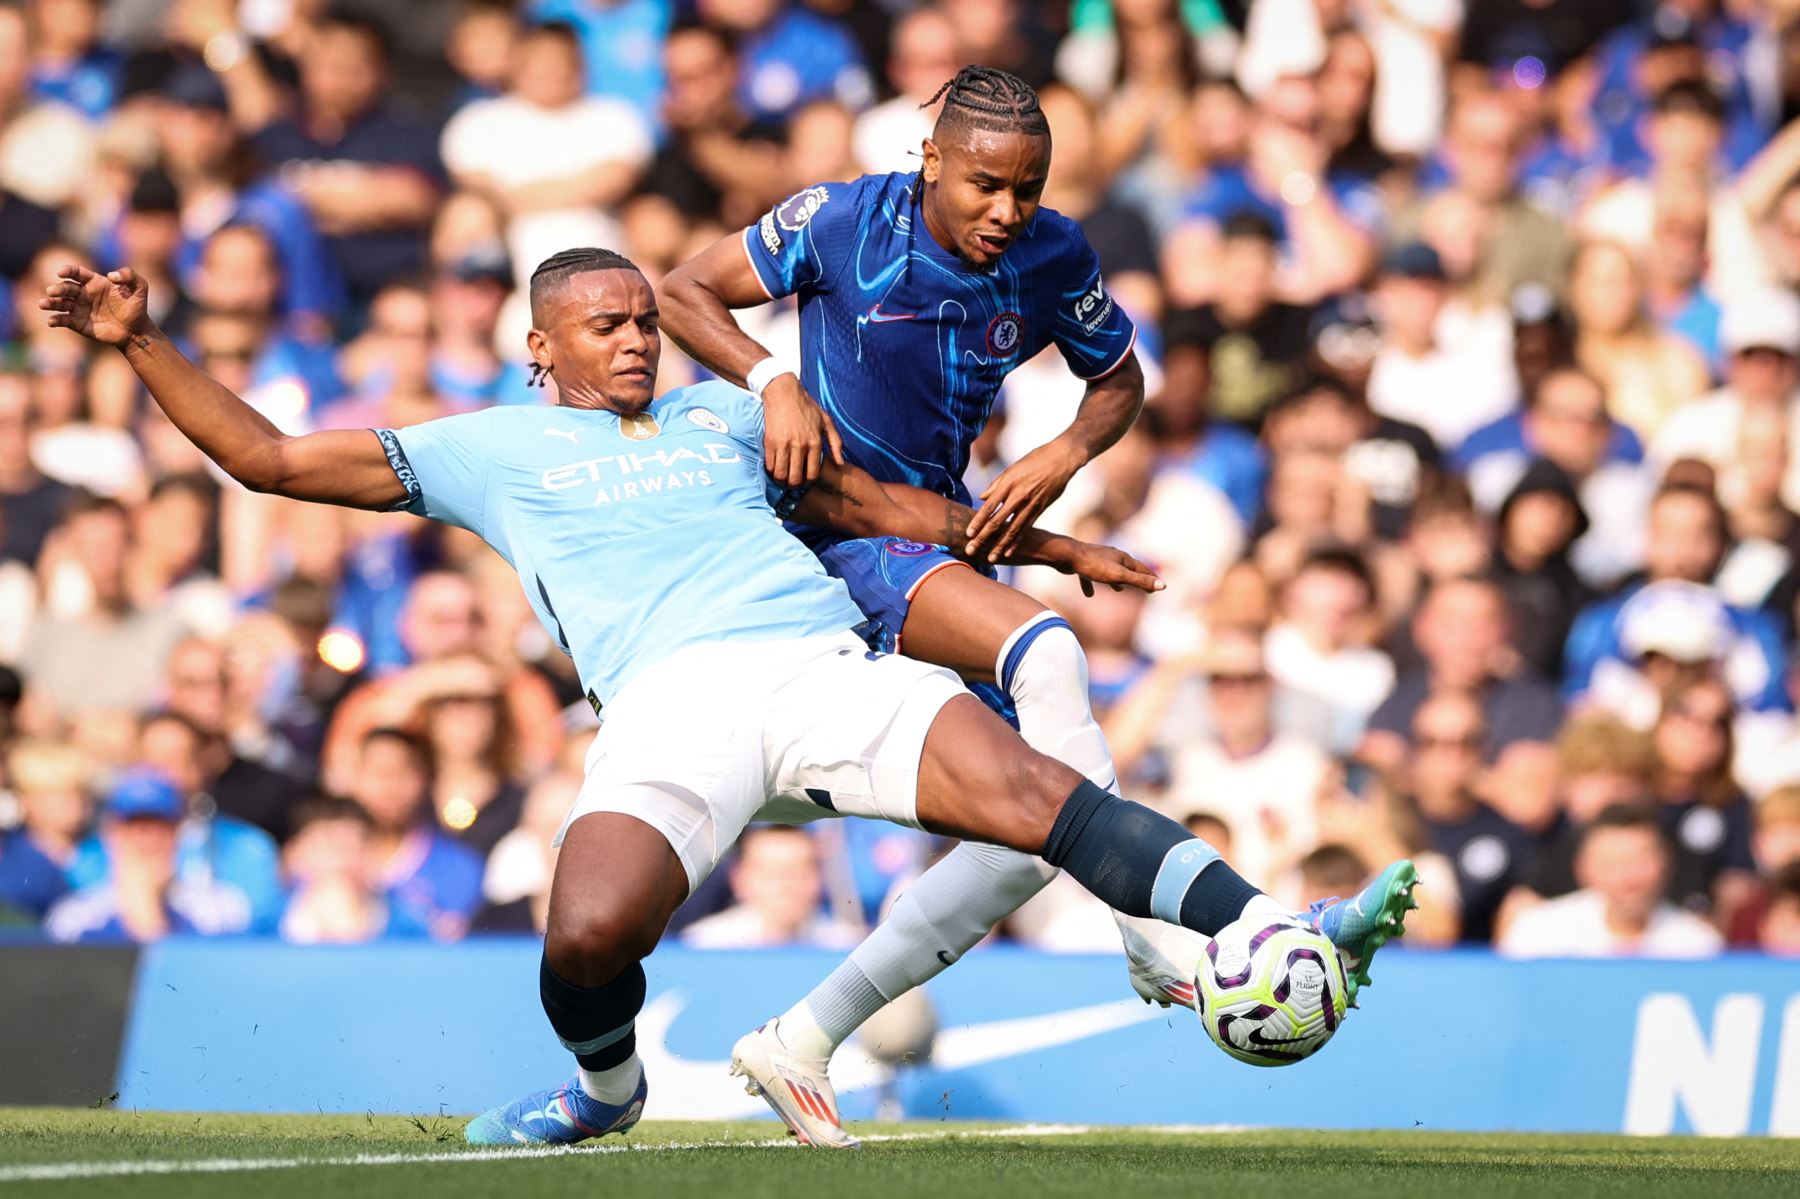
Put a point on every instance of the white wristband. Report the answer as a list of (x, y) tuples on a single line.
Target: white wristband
[(766, 372)]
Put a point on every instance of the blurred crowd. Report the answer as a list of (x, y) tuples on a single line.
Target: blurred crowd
[(1473, 346)]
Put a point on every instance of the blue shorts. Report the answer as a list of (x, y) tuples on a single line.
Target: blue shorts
[(883, 574)]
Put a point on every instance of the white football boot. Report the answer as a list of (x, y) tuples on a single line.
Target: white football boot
[(796, 1087), (1161, 959)]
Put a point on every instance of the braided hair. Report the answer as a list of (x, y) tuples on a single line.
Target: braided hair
[(557, 269), (987, 98)]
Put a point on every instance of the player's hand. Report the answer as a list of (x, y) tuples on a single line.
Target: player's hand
[(1012, 503), (796, 432), (110, 309), (1102, 564)]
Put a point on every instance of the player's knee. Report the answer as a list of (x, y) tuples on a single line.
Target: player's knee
[(1041, 785), (1046, 661), (592, 942)]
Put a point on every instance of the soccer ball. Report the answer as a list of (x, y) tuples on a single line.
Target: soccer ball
[(1270, 990)]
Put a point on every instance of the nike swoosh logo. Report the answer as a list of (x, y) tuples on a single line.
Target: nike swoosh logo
[(687, 1089), (878, 317)]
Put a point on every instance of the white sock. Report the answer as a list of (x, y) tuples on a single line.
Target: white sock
[(953, 905), (616, 1085)]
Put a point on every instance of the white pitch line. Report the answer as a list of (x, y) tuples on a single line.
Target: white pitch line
[(72, 1171)]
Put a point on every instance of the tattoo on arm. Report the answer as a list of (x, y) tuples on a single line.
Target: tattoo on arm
[(829, 488), (956, 520)]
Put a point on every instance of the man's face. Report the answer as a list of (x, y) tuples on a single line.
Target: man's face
[(778, 876), (984, 189), (194, 140), (60, 812), (1629, 867), (1460, 630), (100, 541), (441, 618), (196, 683), (1540, 523), (924, 54), (549, 72), (1446, 745), (342, 73), (1326, 601), (1246, 281), (1482, 143), (1683, 540), (1568, 423), (1684, 141), (701, 76), (1763, 374), (143, 847), (600, 333), (172, 750), (238, 274)]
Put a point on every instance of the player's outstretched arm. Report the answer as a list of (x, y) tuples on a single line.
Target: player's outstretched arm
[(695, 300), (1015, 499), (344, 466), (850, 500)]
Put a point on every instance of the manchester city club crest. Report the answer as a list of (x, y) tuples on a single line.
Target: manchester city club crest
[(1004, 333), (707, 420), (639, 426)]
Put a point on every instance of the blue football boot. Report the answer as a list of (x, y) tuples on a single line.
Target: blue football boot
[(562, 1115)]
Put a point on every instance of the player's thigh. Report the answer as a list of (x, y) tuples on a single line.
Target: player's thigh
[(961, 618), (977, 779)]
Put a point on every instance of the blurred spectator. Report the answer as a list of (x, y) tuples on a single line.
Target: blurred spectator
[(1462, 629), (1319, 644), (421, 872), (516, 886), (1325, 220), (368, 173), (1254, 344), (1776, 845), (1565, 423), (1535, 530), (1488, 852), (30, 503), (468, 297), (69, 65), (619, 43), (473, 791), (1625, 652), (1760, 334), (51, 783), (923, 55), (1779, 933), (1261, 782), (1329, 871), (480, 47), (1622, 865), (1078, 188), (1601, 761), (142, 897), (1703, 810), (791, 55), (1414, 378), (555, 160), (1646, 373), (213, 850), (95, 647), (777, 888), (440, 622), (332, 898)]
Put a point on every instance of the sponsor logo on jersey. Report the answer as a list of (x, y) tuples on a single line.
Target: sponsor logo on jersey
[(707, 420), (1004, 333), (1093, 307), (793, 212), (639, 426), (909, 549), (771, 236)]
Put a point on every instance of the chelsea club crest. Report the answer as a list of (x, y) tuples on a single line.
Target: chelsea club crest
[(1004, 333)]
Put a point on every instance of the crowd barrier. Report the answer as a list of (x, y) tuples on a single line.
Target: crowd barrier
[(1457, 1040)]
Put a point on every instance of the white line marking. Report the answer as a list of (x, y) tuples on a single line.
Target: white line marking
[(68, 1171)]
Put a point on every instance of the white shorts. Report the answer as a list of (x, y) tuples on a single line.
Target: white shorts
[(716, 736)]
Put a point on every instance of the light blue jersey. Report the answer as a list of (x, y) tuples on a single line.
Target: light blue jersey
[(634, 538)]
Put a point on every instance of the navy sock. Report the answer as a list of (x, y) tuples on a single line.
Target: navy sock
[(1144, 864), (596, 1024)]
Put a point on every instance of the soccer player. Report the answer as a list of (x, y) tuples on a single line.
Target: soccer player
[(919, 292), (725, 660)]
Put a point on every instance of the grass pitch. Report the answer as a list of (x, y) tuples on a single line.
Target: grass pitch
[(99, 1153)]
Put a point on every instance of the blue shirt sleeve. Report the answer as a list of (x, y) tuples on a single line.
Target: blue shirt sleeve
[(1090, 329), (803, 241), (444, 466)]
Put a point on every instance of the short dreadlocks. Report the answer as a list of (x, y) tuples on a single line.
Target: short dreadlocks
[(986, 98)]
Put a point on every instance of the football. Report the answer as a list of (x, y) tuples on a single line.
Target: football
[(1270, 991)]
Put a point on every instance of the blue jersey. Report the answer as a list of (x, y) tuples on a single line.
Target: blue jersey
[(905, 344), (633, 538)]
